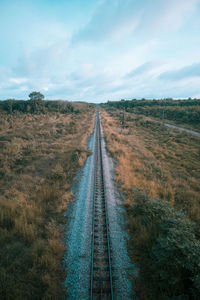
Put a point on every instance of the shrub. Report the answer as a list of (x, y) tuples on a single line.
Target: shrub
[(58, 173), (35, 106), (36, 172), (166, 251)]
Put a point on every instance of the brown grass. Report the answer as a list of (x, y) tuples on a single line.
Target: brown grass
[(155, 160), (158, 171), (39, 157)]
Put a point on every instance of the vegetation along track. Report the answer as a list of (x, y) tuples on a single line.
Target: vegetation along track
[(101, 273)]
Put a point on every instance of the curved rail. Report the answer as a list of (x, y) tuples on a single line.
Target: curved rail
[(101, 286)]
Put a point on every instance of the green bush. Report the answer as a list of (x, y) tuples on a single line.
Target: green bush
[(166, 251), (178, 111), (36, 106)]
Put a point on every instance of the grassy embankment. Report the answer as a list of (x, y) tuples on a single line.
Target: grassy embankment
[(40, 154), (184, 113), (158, 171)]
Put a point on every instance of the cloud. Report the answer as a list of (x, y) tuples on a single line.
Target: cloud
[(115, 20), (112, 20), (101, 49), (183, 73), (165, 16), (43, 61), (142, 69), (18, 80)]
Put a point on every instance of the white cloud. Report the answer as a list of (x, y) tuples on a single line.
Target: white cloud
[(120, 49), (115, 20), (172, 14), (18, 80)]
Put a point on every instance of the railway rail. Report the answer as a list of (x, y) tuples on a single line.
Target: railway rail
[(101, 286)]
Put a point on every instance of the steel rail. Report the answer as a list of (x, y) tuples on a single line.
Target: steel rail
[(108, 236), (92, 260), (99, 191)]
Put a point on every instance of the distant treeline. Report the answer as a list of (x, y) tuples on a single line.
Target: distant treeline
[(166, 102), (35, 106), (178, 111)]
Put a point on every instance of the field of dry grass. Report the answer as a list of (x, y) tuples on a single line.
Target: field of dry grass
[(40, 155), (183, 113), (158, 161), (154, 162), (186, 117)]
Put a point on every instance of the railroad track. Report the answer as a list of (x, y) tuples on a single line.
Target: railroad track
[(101, 272)]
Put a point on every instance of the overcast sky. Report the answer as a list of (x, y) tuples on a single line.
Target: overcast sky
[(95, 50)]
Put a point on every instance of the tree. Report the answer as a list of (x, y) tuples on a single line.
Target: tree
[(36, 96)]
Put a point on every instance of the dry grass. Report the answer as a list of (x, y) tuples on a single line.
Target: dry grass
[(159, 162), (39, 157), (158, 172)]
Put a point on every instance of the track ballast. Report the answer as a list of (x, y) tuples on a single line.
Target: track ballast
[(101, 272)]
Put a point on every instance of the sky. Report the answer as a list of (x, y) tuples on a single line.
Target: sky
[(99, 50)]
